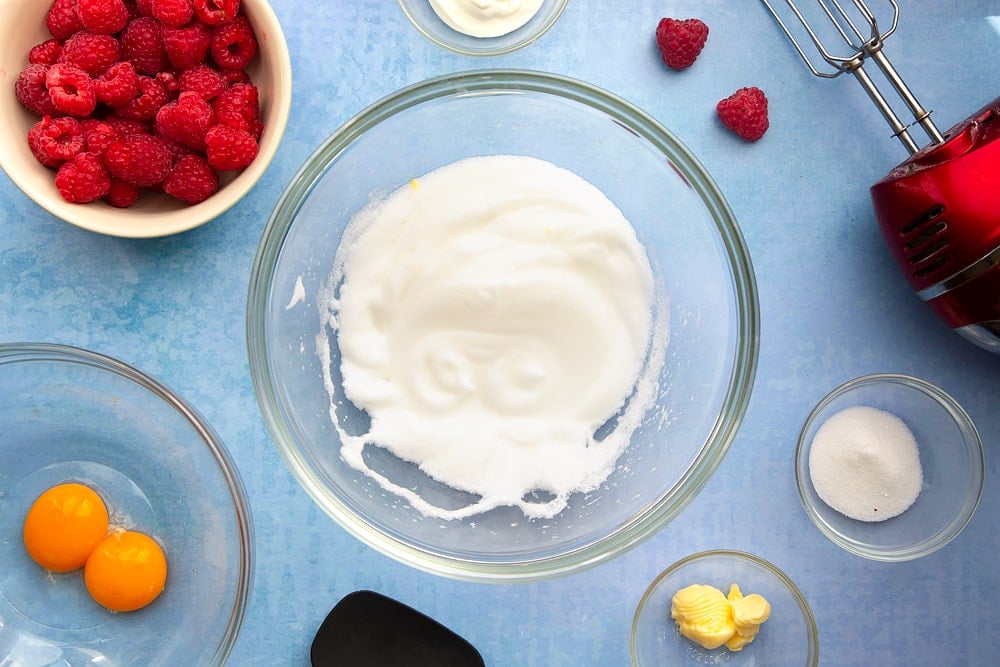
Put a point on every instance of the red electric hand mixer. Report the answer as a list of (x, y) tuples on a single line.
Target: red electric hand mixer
[(939, 210)]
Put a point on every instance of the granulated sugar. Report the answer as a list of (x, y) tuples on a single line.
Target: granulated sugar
[(864, 463)]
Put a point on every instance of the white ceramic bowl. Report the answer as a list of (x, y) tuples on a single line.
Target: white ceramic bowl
[(22, 25), (698, 258), (951, 457), (431, 26)]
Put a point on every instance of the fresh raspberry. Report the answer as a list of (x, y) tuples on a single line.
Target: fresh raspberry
[(122, 194), (118, 86), (144, 7), (46, 53), (186, 120), (62, 19), (238, 107), (83, 179), (55, 140), (125, 126), (97, 135), (235, 76), (191, 180), (187, 46), (30, 90), (103, 17), (142, 44), (152, 96), (216, 12), (745, 113), (91, 53), (139, 159), (173, 13), (71, 89), (204, 80), (233, 44), (176, 148), (680, 41), (229, 148), (171, 82)]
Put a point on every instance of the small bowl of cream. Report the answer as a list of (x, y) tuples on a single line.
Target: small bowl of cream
[(724, 607), (483, 27), (889, 467)]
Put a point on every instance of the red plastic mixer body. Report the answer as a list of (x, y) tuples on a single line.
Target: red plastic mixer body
[(939, 212)]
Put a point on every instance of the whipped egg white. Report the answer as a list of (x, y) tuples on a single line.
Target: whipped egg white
[(491, 316)]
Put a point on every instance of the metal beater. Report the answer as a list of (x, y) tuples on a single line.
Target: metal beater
[(938, 211)]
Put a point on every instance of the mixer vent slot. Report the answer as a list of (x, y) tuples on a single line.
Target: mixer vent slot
[(925, 242)]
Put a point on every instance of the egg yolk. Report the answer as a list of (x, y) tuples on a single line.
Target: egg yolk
[(126, 571), (64, 525)]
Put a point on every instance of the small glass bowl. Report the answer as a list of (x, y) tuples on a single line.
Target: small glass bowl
[(951, 456), (73, 415), (426, 20), (788, 638)]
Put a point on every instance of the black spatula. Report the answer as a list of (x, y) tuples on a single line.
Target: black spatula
[(366, 629)]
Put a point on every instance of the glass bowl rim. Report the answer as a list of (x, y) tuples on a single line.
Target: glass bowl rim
[(745, 356), (487, 50), (30, 352), (812, 631), (970, 438)]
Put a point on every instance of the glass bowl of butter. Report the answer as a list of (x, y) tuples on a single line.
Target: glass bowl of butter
[(483, 27), (724, 607), (502, 326)]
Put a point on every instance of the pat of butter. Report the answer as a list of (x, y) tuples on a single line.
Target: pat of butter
[(709, 618)]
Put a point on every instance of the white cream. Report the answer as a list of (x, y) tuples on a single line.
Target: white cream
[(485, 18), (490, 317)]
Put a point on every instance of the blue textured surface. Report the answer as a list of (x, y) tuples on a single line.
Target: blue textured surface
[(833, 307)]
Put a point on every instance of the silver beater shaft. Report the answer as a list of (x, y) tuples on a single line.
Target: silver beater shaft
[(866, 44)]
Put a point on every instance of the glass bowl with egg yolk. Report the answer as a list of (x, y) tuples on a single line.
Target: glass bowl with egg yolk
[(499, 339), (788, 638), (122, 454)]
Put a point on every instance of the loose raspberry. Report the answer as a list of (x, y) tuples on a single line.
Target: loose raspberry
[(745, 113), (142, 44), (229, 148), (186, 120), (30, 90), (173, 13), (233, 44), (55, 140), (139, 159), (152, 96), (204, 80), (680, 41), (97, 135), (239, 107), (122, 194), (187, 46), (46, 53), (144, 7), (71, 89), (191, 180), (216, 12), (118, 86), (62, 19), (91, 53), (83, 179), (176, 148), (102, 17)]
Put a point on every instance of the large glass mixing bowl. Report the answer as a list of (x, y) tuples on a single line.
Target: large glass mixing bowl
[(698, 257)]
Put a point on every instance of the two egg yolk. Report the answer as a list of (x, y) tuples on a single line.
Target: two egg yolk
[(67, 528)]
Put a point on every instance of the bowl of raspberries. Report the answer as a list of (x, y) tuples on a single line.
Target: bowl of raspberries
[(140, 118)]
